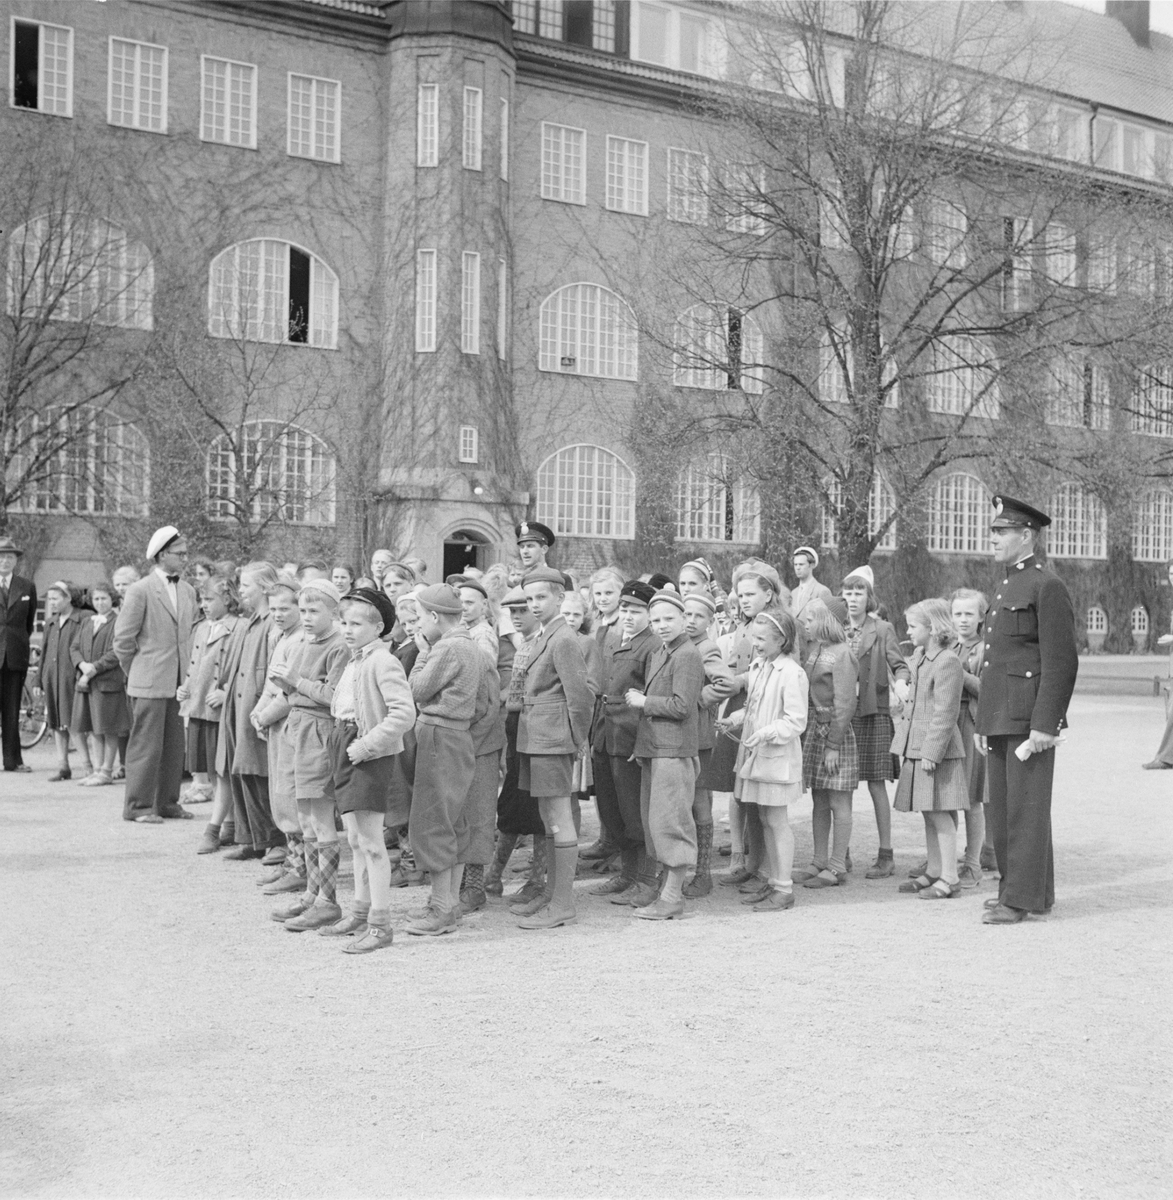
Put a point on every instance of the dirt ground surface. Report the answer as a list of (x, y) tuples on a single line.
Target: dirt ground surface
[(161, 1037)]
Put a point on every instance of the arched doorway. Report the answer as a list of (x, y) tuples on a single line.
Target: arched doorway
[(463, 549)]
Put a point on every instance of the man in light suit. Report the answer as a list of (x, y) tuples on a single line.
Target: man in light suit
[(152, 640), (18, 610)]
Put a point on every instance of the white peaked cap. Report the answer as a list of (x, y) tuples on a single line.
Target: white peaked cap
[(161, 539), (864, 572)]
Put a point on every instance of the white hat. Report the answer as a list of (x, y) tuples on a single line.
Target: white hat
[(809, 551), (161, 539), (864, 572)]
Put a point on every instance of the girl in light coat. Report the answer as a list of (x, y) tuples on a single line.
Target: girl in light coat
[(769, 759)]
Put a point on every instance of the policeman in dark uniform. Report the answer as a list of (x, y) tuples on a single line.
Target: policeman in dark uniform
[(533, 544), (1027, 679)]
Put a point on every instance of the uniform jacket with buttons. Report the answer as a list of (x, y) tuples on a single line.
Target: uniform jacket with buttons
[(556, 713), (1031, 659), (669, 721), (16, 623), (938, 684), (624, 667)]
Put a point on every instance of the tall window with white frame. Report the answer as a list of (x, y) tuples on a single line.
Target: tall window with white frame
[(1078, 526), (688, 186), (469, 447), (228, 102), (470, 302), (563, 163), (627, 176), (504, 139), (473, 112), (42, 67), (588, 330), (315, 118), (425, 301), (1152, 400), (427, 125), (137, 96), (502, 308)]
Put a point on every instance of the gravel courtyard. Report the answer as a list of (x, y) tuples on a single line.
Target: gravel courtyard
[(162, 1037)]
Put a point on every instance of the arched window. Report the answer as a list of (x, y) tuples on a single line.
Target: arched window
[(837, 368), (959, 514), (714, 504), (1097, 620), (1152, 527), (73, 268), (718, 347), (881, 505), (1078, 528), (962, 379), (586, 491), (269, 291), (278, 472), (1139, 620), (80, 460), (588, 330)]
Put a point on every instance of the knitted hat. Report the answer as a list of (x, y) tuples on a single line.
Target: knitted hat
[(700, 567), (324, 586), (702, 598), (380, 602), (668, 597), (837, 607), (440, 598), (662, 583), (636, 593)]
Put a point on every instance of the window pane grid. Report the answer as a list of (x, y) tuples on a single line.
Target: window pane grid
[(588, 330), (53, 78), (958, 515), (627, 176), (603, 25), (228, 95), (586, 491), (137, 85), (1077, 524), (473, 100), (1152, 401), (313, 118), (563, 153), (427, 131), (470, 303), (962, 381), (688, 187), (425, 300), (711, 507), (881, 506), (1152, 527)]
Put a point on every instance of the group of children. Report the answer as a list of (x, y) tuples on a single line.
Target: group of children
[(452, 720)]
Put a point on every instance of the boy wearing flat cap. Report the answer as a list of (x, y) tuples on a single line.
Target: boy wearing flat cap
[(1028, 675), (444, 681), (554, 723), (617, 774), (666, 745)]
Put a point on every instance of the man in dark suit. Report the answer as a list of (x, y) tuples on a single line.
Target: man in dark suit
[(1028, 675), (18, 611), (152, 639)]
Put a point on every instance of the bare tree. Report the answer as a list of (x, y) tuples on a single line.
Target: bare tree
[(892, 264), (78, 287)]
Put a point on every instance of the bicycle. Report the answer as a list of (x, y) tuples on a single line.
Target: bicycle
[(34, 722)]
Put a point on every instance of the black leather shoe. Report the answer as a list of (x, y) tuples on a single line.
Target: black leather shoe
[(240, 853), (176, 813), (1003, 914)]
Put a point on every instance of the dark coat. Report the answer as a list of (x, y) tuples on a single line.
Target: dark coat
[(623, 667), (243, 672), (1031, 660), (558, 701), (58, 675), (930, 730), (878, 653), (669, 721), (719, 686), (16, 623), (98, 648)]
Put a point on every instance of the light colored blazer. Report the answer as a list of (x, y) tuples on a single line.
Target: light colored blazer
[(779, 697), (937, 685), (152, 640), (209, 643), (556, 712), (384, 709)]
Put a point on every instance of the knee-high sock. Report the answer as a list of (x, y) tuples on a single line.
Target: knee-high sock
[(565, 866), (841, 838), (328, 856), (942, 829), (821, 831), (781, 843), (295, 859), (313, 875), (975, 835)]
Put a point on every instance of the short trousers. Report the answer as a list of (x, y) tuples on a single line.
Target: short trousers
[(545, 775), (361, 786)]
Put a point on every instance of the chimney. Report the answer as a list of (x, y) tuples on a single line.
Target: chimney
[(1133, 15)]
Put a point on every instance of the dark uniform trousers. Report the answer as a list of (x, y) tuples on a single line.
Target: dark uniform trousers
[(154, 758), (11, 688), (1019, 816), (617, 788)]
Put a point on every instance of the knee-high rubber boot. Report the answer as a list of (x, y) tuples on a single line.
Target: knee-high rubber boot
[(542, 893), (701, 883), (501, 855), (560, 908)]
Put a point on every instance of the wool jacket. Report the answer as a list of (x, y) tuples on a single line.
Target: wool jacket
[(272, 706), (384, 708), (833, 676), (971, 658), (445, 679), (669, 721), (153, 640), (778, 698), (556, 711), (243, 673), (931, 732), (210, 641), (592, 654), (718, 687), (878, 653), (624, 667), (57, 672), (488, 720), (97, 647)]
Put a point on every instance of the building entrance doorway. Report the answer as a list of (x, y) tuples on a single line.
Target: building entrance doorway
[(463, 549)]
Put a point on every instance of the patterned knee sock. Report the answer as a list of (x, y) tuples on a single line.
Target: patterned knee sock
[(312, 876), (328, 856), (474, 877), (295, 858)]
